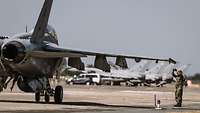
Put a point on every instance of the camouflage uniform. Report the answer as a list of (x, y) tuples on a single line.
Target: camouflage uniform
[(180, 82), (2, 82)]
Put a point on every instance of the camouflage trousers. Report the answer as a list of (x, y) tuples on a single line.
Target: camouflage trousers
[(178, 95), (2, 82)]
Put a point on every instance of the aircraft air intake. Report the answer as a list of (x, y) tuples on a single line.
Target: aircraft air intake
[(13, 52)]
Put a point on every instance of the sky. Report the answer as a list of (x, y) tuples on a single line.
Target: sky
[(152, 28)]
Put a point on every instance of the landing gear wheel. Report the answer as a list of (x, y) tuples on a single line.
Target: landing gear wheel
[(58, 96), (71, 83), (37, 96), (87, 83), (95, 84), (46, 97)]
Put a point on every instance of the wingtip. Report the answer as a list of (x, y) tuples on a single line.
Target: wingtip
[(172, 61)]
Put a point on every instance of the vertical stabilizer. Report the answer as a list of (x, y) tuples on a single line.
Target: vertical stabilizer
[(168, 69), (184, 68), (41, 25), (156, 69), (139, 67)]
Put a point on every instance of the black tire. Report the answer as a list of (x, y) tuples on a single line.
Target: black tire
[(88, 83), (46, 97), (58, 96), (71, 83), (37, 96), (95, 84)]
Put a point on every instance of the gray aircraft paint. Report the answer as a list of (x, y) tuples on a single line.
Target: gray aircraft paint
[(146, 27), (31, 58)]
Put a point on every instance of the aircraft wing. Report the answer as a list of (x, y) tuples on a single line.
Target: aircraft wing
[(137, 58), (52, 49), (55, 52)]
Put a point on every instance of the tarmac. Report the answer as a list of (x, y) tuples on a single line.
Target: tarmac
[(103, 99)]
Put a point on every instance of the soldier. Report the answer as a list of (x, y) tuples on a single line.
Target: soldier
[(180, 82), (2, 82)]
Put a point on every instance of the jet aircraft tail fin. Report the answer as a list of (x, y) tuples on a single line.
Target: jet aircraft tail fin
[(141, 67), (168, 69), (156, 69), (184, 68), (42, 22)]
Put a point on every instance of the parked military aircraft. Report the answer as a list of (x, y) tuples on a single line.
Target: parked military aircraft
[(132, 75), (152, 75), (167, 74), (29, 59)]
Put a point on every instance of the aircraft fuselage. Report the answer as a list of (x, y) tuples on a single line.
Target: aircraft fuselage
[(16, 56)]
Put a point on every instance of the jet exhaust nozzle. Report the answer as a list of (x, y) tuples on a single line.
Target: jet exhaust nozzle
[(13, 52)]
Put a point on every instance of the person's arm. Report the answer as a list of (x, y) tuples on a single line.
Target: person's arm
[(173, 73), (185, 80)]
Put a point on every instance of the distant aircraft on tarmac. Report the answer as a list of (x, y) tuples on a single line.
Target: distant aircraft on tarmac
[(31, 58), (167, 74), (134, 73), (152, 75)]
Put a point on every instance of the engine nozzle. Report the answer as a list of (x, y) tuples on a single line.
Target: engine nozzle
[(13, 52)]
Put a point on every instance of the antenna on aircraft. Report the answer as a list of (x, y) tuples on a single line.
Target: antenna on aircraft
[(26, 28)]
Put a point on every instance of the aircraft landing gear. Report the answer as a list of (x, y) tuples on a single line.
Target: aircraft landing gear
[(37, 96), (57, 94), (46, 97)]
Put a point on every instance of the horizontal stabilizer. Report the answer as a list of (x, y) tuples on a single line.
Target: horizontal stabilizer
[(172, 61)]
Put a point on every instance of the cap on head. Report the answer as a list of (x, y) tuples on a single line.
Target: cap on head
[(180, 72)]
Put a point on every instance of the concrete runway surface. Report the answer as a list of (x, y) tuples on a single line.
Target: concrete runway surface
[(103, 99)]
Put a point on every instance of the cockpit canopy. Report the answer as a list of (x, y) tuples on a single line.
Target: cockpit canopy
[(50, 31)]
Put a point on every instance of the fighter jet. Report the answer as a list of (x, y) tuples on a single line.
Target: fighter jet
[(152, 75), (133, 76), (167, 73), (30, 59)]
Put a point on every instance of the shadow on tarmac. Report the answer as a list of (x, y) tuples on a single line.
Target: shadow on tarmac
[(97, 105), (79, 104)]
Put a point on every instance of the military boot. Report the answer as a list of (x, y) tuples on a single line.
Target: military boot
[(178, 105), (1, 88)]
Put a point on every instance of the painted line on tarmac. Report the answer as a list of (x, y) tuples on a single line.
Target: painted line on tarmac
[(16, 93), (146, 92)]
